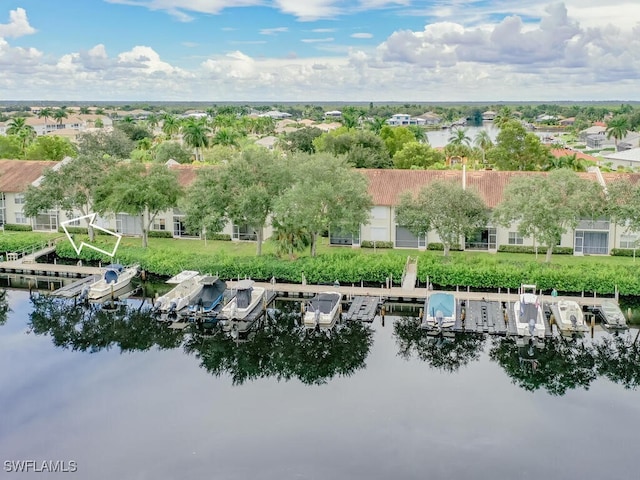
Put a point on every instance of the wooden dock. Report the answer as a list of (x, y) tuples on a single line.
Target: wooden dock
[(74, 289)]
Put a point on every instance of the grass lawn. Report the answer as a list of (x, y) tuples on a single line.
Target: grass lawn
[(232, 249)]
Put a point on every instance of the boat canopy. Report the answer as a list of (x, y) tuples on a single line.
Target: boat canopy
[(324, 302), (441, 303), (112, 272)]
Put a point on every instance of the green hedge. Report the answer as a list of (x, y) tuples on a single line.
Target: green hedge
[(225, 237), (160, 234), (15, 227), (625, 252), (531, 249), (74, 230), (351, 266), (439, 246), (371, 244)]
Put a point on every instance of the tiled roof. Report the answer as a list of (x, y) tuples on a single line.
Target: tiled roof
[(565, 152), (17, 175), (385, 186)]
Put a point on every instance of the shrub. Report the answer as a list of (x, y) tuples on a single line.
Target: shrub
[(160, 234), (440, 246), (14, 227), (75, 230), (225, 237), (624, 252), (371, 244), (531, 249)]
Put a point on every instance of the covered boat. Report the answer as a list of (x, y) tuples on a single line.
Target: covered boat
[(322, 310), (114, 277), (568, 316), (439, 311), (209, 297), (528, 313), (247, 297)]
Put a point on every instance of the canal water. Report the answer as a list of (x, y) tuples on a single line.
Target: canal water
[(123, 396)]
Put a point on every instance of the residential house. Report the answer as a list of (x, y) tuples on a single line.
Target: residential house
[(592, 236), (67, 126), (626, 158), (593, 130)]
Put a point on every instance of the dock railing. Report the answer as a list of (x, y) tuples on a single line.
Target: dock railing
[(30, 249)]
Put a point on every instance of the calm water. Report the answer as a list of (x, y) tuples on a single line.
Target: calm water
[(128, 398), (440, 138)]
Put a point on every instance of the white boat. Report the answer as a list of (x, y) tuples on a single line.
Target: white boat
[(528, 313), (181, 295), (322, 310), (247, 297), (568, 316), (439, 311), (115, 277)]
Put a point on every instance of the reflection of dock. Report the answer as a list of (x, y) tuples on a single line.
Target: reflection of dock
[(74, 289)]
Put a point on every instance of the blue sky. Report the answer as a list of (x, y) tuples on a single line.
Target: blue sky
[(319, 50)]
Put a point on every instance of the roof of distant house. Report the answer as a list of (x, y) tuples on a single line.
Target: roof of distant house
[(632, 155), (567, 152)]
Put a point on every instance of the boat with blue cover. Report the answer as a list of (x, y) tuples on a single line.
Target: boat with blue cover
[(439, 310)]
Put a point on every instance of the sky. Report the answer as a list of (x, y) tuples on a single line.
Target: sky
[(320, 50)]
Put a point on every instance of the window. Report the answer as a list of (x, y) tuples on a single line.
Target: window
[(159, 224), (629, 241), (515, 238), (19, 199), (20, 218)]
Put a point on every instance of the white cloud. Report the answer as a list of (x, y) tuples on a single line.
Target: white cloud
[(18, 25), (516, 57), (273, 31), (317, 40), (361, 35)]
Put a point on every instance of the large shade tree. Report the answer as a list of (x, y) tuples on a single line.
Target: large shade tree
[(71, 187), (138, 190), (517, 149), (623, 204), (444, 207), (545, 206), (326, 194), (242, 191)]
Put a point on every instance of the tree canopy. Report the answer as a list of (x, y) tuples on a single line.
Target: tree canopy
[(134, 189), (70, 187), (326, 194), (445, 207), (517, 149), (546, 206)]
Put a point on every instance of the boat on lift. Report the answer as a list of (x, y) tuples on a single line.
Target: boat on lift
[(528, 313)]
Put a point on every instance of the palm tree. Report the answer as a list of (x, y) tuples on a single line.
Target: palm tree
[(84, 110), (483, 142), (226, 136), (99, 111), (60, 114), (459, 137), (170, 125), (376, 124), (18, 127), (195, 134), (503, 116), (45, 113), (617, 128)]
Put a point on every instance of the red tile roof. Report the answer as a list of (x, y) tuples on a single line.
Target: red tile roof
[(17, 175), (566, 152), (385, 186)]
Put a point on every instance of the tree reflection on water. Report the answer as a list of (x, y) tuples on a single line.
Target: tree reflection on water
[(555, 364), (282, 349), (92, 327), (4, 307), (440, 352), (618, 359)]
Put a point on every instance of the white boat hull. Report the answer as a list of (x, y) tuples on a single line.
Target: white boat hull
[(529, 316), (103, 288)]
